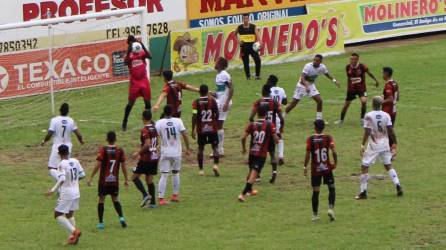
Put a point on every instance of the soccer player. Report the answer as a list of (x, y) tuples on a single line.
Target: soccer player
[(377, 131), (262, 132), (70, 172), (306, 85), (356, 85), (109, 159), (390, 94), (279, 95), (139, 82), (60, 129), (148, 160), (318, 150), (205, 124), (173, 91), (169, 129), (223, 93), (274, 114)]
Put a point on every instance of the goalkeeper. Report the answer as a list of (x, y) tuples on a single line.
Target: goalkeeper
[(139, 82)]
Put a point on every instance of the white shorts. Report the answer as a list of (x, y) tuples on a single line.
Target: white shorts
[(168, 164), (301, 91), (223, 115), (65, 205), (370, 157), (54, 160)]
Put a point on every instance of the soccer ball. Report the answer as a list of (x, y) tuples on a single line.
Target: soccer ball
[(256, 46), (136, 47)]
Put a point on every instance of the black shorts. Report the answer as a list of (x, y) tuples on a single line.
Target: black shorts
[(352, 95), (146, 167), (108, 190), (316, 181), (204, 139), (256, 162)]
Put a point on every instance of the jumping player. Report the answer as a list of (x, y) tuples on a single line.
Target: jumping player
[(139, 82), (306, 86), (205, 124), (109, 159), (60, 129), (173, 91), (262, 133), (279, 95), (356, 86), (378, 130), (70, 172), (318, 150)]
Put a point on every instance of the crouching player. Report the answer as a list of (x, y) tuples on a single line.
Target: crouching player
[(318, 149), (70, 172)]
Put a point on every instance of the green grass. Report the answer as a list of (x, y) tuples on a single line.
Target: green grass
[(209, 216)]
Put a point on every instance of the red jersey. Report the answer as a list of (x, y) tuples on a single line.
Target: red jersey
[(319, 145), (356, 77), (149, 132), (273, 108), (261, 132), (390, 89), (207, 115), (137, 66), (111, 158), (174, 92)]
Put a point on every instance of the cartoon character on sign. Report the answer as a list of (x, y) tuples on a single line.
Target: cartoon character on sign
[(187, 52)]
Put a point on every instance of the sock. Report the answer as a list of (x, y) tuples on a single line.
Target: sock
[(315, 202), (248, 188), (101, 212), (318, 115), (274, 167), (216, 159), (72, 221), (221, 139), (118, 208), (280, 149), (331, 197), (364, 178), (140, 187), (65, 223), (176, 183), (162, 185), (200, 160), (363, 110), (394, 176), (128, 109), (343, 113), (151, 188), (147, 105)]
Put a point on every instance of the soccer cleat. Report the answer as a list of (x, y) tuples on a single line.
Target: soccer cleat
[(331, 214), (123, 223), (174, 198), (201, 173), (273, 178), (144, 201), (215, 169), (162, 202), (241, 198), (253, 192), (281, 162), (315, 218), (150, 206), (75, 236), (258, 78), (100, 226), (361, 196), (339, 122), (399, 190)]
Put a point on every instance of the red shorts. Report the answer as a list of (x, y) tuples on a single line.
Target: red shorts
[(139, 89)]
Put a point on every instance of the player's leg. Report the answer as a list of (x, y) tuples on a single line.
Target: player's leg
[(76, 234), (344, 111), (299, 93), (138, 183), (387, 158), (258, 62), (319, 104), (176, 167), (151, 187), (165, 171), (221, 136), (315, 199), (329, 181), (280, 149), (272, 154), (200, 155), (128, 109), (363, 107), (214, 143), (118, 208), (364, 178), (64, 222), (101, 201), (255, 166), (245, 59)]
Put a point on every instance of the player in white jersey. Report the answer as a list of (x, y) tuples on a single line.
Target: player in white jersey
[(169, 129), (70, 172), (377, 131), (60, 129), (279, 95), (223, 94), (306, 87)]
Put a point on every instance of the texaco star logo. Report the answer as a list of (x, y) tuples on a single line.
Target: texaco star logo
[(4, 79)]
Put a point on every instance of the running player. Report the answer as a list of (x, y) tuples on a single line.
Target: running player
[(377, 131), (306, 86), (224, 93), (109, 159), (148, 160), (139, 81), (169, 129), (318, 149), (70, 172), (262, 133), (274, 115), (279, 95), (60, 129), (356, 85), (205, 124), (173, 91)]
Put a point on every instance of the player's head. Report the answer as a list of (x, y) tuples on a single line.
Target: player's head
[(168, 110), (319, 125), (272, 80), (317, 60), (354, 58), (245, 18), (63, 150), (221, 64), (377, 102), (130, 39), (146, 115), (387, 73), (266, 90), (168, 75), (111, 137), (262, 111), (204, 90), (64, 109)]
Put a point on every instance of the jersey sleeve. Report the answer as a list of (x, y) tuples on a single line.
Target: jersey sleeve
[(181, 125), (388, 90), (283, 93), (368, 122), (366, 69), (165, 89), (52, 125), (306, 69), (74, 126), (61, 175), (158, 127), (100, 155), (324, 69), (331, 142), (389, 120), (81, 170), (309, 144)]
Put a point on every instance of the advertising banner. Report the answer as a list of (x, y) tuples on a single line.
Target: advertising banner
[(283, 40)]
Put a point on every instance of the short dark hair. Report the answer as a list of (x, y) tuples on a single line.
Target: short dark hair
[(272, 79), (222, 63), (131, 39), (168, 75), (319, 56), (63, 150), (388, 71), (147, 115), (319, 125), (355, 54), (168, 110), (266, 90), (111, 136), (64, 109), (204, 90), (262, 110)]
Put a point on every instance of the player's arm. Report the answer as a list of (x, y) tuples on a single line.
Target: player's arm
[(372, 76), (365, 137), (79, 136), (282, 121), (392, 137), (60, 181), (124, 169), (327, 74), (304, 80), (191, 88), (231, 93), (47, 137), (307, 156), (243, 140), (389, 98), (156, 107), (93, 173), (253, 112), (194, 123), (284, 101), (186, 141), (148, 55), (275, 138), (333, 152)]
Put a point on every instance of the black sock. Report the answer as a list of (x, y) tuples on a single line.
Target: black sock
[(248, 188), (216, 158), (151, 188), (118, 208), (274, 165), (363, 110), (101, 212), (128, 109), (148, 105), (343, 113), (140, 187), (200, 160), (315, 202), (331, 197)]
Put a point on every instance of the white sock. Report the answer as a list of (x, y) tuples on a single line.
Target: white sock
[(162, 185), (318, 115), (364, 178), (65, 223), (394, 176), (72, 221), (176, 183), (221, 140), (280, 148)]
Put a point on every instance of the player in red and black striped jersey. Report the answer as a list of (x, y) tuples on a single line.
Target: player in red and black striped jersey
[(274, 115), (319, 146), (109, 159), (391, 96), (263, 133), (356, 85), (148, 157), (173, 92), (205, 124)]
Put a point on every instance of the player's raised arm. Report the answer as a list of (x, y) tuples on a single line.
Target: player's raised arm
[(148, 55)]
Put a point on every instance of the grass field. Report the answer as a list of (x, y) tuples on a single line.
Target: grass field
[(209, 215)]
